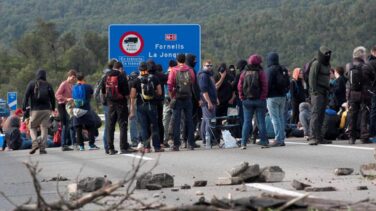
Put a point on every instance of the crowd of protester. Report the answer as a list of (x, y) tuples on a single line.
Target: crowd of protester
[(258, 102)]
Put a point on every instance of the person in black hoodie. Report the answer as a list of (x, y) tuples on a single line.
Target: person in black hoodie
[(339, 87), (297, 92), (40, 97), (370, 72), (241, 66), (115, 89)]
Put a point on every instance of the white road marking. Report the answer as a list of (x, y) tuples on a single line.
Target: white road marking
[(138, 156), (334, 145), (277, 190)]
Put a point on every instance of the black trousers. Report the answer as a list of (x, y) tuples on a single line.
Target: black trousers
[(221, 111), (359, 110), (160, 120), (80, 136), (117, 112), (318, 103)]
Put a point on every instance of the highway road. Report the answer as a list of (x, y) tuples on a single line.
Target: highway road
[(314, 165)]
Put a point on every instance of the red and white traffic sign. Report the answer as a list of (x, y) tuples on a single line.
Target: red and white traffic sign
[(131, 43)]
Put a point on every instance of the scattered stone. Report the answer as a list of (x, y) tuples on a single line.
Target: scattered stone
[(164, 197), (201, 199), (153, 187), (252, 171), (44, 180), (164, 180), (343, 171), (185, 187), (242, 189), (199, 193), (59, 178), (175, 189), (90, 184), (229, 181), (362, 188), (319, 189), (200, 183), (299, 185), (156, 195), (177, 199), (368, 170), (236, 170), (271, 174)]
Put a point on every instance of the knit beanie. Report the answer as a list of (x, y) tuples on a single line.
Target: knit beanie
[(255, 59)]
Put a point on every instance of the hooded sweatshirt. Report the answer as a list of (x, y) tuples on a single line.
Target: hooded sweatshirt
[(206, 84), (171, 82), (190, 60), (319, 74), (272, 71), (30, 98)]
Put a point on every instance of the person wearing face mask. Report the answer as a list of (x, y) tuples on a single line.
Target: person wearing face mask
[(319, 77), (209, 100)]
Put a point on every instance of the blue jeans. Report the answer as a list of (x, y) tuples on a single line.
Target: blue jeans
[(134, 128), (148, 117), (276, 108), (105, 143), (186, 106), (207, 116), (249, 108)]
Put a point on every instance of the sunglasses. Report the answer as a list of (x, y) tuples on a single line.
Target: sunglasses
[(209, 65)]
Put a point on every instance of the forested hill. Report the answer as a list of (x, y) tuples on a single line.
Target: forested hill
[(230, 29)]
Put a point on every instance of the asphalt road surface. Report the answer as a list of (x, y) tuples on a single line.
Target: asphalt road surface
[(310, 164)]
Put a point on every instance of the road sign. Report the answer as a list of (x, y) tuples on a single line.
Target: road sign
[(134, 43), (12, 100)]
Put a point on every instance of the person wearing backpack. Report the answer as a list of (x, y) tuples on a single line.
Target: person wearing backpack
[(116, 91), (358, 96), (370, 71), (180, 82), (63, 96), (83, 116), (319, 77), (253, 90), (209, 101), (278, 86), (40, 97), (145, 91)]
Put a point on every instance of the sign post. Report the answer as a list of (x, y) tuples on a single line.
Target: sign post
[(12, 100), (132, 44)]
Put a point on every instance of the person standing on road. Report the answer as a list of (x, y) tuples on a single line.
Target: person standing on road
[(40, 97), (370, 68), (115, 89), (279, 82), (253, 90), (145, 90), (180, 81), (209, 101), (63, 96), (319, 77)]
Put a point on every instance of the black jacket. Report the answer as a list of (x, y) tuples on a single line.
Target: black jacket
[(272, 71), (297, 91), (30, 99), (340, 91)]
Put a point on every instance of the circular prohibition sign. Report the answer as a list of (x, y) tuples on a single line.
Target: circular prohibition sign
[(131, 43)]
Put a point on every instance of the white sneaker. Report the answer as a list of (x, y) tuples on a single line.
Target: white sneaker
[(140, 146)]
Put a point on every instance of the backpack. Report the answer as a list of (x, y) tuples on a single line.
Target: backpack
[(112, 88), (41, 91), (282, 79), (79, 95), (147, 88), (355, 77), (306, 69), (183, 85), (251, 85)]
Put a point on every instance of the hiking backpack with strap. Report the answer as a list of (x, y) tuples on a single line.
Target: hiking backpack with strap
[(306, 70), (251, 85), (147, 88), (41, 91), (112, 88), (79, 95), (183, 85), (355, 77)]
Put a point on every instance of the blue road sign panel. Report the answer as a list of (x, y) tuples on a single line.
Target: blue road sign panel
[(134, 43), (12, 100)]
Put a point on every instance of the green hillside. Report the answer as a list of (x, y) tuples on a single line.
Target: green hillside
[(64, 34)]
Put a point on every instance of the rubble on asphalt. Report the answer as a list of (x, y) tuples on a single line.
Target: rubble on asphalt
[(368, 170), (163, 180), (299, 185), (343, 171)]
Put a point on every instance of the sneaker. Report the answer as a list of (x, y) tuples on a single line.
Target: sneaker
[(66, 148), (82, 148), (262, 143), (243, 147), (93, 147), (140, 146), (196, 145), (42, 151), (127, 151), (312, 142), (191, 147), (33, 150), (325, 141), (112, 152), (276, 144), (159, 150), (175, 148)]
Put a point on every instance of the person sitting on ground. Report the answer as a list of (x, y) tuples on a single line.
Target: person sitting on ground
[(305, 117), (13, 139)]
